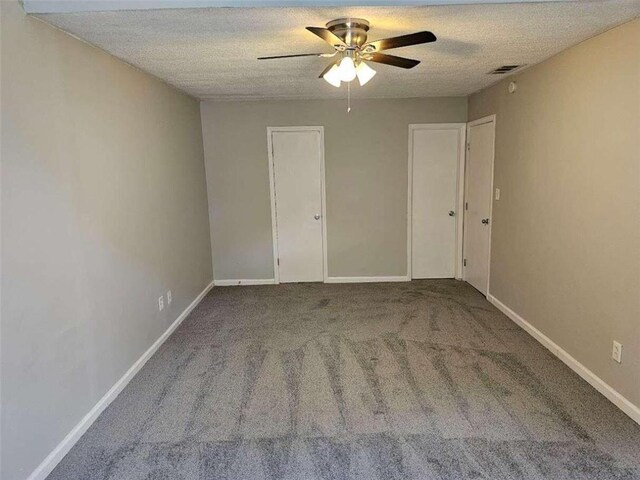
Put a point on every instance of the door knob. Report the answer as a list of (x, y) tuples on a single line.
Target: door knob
[(485, 221), (316, 216), (452, 213)]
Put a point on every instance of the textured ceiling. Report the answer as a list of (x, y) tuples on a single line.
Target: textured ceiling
[(68, 6), (211, 53)]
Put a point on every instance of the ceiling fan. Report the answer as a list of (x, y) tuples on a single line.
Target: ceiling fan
[(348, 36)]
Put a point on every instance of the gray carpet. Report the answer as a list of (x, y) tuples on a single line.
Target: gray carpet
[(420, 380)]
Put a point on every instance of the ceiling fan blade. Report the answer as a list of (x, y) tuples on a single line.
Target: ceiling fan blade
[(298, 55), (392, 60), (328, 68), (402, 41), (327, 36)]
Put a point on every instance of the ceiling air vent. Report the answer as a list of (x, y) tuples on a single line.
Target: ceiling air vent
[(504, 69)]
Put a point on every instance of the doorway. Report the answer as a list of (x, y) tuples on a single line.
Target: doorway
[(478, 202), (296, 171), (436, 175)]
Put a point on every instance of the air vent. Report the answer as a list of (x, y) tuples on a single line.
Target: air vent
[(505, 69)]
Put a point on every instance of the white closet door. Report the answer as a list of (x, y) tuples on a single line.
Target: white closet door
[(436, 151), (297, 185), (477, 221)]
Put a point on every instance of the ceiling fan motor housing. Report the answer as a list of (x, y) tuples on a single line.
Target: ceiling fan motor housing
[(352, 31)]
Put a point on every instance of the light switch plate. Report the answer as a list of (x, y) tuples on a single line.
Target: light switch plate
[(497, 194), (169, 297), (160, 303), (616, 353)]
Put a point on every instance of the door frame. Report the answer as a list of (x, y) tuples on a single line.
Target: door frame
[(460, 191), (272, 191), (475, 123)]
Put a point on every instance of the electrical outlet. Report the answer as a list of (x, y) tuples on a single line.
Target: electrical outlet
[(169, 297), (160, 303), (616, 353)]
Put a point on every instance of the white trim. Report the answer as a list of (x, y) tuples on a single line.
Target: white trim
[(475, 123), (272, 194), (251, 281), (459, 191), (58, 453), (272, 197), (596, 382), (482, 121), (410, 205), (325, 248), (366, 279), (460, 210)]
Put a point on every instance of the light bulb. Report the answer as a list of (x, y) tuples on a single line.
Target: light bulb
[(364, 72), (347, 69), (333, 76)]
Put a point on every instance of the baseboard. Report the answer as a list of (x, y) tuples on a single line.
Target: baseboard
[(251, 281), (365, 279), (58, 453), (271, 281), (616, 398)]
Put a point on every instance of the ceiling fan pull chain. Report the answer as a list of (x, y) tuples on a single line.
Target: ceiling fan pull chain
[(349, 97)]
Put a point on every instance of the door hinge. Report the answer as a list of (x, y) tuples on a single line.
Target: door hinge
[(468, 146), (278, 260), (466, 205), (464, 262)]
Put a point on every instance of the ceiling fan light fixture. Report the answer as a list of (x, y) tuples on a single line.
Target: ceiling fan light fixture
[(333, 76), (364, 73), (347, 69)]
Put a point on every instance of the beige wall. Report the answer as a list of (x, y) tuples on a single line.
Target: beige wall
[(366, 180), (566, 231), (103, 210)]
